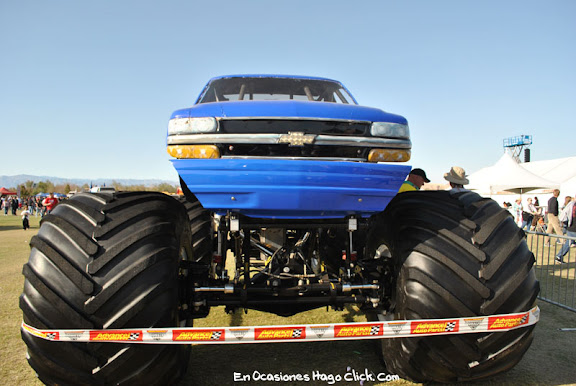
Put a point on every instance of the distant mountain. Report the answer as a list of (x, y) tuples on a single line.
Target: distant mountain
[(20, 179)]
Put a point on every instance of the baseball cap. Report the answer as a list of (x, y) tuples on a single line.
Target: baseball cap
[(421, 173)]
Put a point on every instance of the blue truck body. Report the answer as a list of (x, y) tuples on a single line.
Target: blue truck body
[(290, 188)]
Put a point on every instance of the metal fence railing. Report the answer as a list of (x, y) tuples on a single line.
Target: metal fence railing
[(557, 280)]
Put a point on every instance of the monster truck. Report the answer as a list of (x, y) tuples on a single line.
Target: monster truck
[(290, 203)]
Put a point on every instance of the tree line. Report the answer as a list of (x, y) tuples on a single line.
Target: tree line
[(31, 188)]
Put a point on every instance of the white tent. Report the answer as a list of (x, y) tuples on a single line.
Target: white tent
[(560, 170), (568, 187), (507, 175)]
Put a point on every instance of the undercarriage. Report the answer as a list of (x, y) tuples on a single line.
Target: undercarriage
[(286, 267)]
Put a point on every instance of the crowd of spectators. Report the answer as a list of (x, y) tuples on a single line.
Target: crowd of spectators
[(36, 206)]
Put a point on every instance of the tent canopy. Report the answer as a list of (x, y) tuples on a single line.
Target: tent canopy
[(558, 170), (507, 175), (6, 192)]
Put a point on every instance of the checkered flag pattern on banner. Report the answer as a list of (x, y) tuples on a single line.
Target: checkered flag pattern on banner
[(374, 330), (51, 335), (216, 335), (450, 326), (134, 336), (524, 319), (297, 333)]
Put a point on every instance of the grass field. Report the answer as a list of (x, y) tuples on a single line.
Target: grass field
[(550, 360)]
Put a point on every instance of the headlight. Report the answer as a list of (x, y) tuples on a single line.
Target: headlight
[(390, 130), (192, 125)]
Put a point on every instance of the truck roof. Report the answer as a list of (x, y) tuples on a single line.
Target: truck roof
[(272, 76)]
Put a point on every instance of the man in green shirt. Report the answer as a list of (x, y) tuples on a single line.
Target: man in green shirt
[(415, 180)]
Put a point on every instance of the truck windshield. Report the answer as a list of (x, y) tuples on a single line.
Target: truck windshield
[(276, 89)]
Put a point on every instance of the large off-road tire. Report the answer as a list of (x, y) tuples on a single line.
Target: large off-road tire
[(108, 261), (453, 255), (202, 229)]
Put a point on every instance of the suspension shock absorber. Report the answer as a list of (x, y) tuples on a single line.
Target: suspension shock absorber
[(218, 270), (351, 254)]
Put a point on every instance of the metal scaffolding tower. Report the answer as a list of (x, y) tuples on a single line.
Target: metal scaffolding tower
[(518, 145)]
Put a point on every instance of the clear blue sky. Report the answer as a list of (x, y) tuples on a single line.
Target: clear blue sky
[(87, 87)]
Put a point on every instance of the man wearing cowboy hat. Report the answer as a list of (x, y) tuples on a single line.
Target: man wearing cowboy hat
[(415, 180), (457, 179)]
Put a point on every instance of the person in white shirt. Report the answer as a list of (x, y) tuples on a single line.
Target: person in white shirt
[(25, 221)]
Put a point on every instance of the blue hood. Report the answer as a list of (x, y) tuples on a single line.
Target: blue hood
[(288, 109)]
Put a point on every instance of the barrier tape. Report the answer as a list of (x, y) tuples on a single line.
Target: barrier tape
[(294, 333)]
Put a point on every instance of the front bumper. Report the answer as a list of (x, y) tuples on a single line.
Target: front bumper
[(270, 139), (291, 189)]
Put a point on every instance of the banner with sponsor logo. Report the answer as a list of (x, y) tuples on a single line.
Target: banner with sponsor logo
[(312, 332)]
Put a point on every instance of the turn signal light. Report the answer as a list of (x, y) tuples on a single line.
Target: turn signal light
[(389, 155), (194, 151)]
